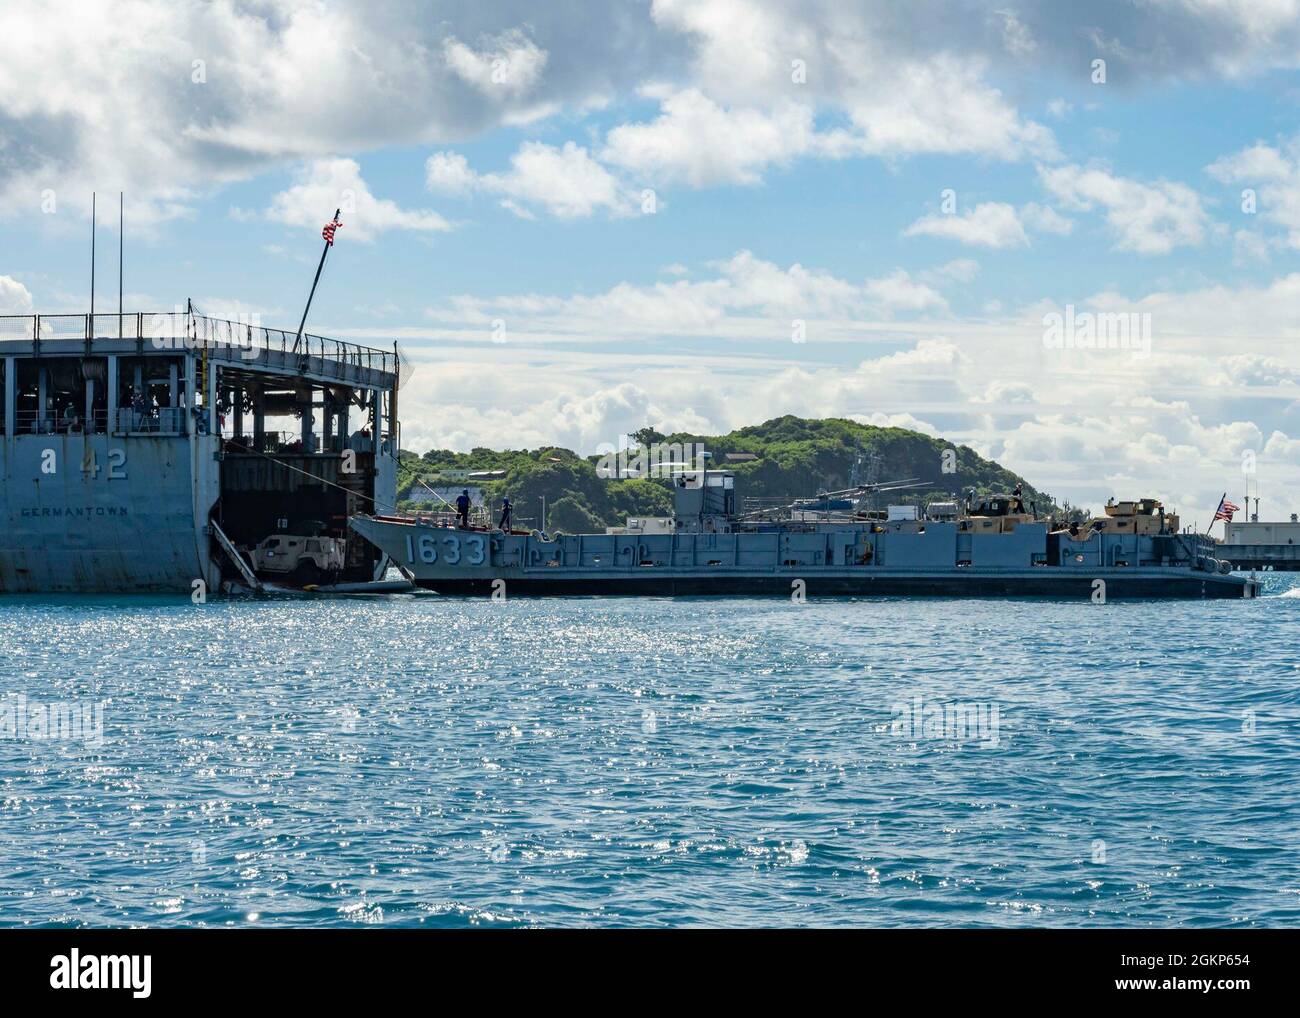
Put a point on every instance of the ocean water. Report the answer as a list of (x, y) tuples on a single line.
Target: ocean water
[(427, 761)]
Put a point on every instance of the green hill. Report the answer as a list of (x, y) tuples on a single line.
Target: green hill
[(793, 458)]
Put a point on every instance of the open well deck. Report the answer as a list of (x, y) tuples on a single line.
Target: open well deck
[(125, 436)]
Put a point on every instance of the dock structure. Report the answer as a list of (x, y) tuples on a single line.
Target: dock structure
[(1267, 545), (1281, 558), (126, 435)]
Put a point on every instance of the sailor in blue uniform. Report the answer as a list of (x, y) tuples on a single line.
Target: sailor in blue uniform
[(462, 507), (505, 514)]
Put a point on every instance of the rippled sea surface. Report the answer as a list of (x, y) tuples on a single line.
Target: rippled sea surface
[(443, 762)]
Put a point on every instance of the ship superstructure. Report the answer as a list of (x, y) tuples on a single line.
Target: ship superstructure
[(145, 452)]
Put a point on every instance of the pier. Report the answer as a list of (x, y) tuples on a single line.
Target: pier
[(1268, 546)]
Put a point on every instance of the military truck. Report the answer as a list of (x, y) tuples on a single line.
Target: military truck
[(300, 560)]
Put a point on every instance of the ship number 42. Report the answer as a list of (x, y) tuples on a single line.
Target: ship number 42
[(116, 464)]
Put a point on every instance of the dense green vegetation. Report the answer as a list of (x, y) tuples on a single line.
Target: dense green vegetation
[(577, 501), (795, 458)]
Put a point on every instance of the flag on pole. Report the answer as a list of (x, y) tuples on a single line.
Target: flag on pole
[(328, 234), (1226, 509)]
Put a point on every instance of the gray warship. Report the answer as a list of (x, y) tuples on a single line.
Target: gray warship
[(990, 547), (151, 452)]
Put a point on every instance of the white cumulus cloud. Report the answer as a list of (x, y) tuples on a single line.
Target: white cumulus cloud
[(899, 290), (1149, 219), (566, 181), (1274, 174), (696, 140), (509, 64), (989, 224), (15, 298), (326, 184)]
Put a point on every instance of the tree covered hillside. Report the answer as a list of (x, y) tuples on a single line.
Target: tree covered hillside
[(794, 457)]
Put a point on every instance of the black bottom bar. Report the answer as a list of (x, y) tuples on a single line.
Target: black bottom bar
[(977, 968)]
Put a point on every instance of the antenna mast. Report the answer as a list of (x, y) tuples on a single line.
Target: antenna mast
[(92, 263)]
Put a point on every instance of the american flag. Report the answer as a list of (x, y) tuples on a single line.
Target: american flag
[(328, 232), (1226, 509)]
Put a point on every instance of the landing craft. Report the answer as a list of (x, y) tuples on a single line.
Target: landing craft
[(987, 548)]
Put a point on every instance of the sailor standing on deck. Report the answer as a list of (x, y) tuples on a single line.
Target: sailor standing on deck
[(505, 514), (462, 508)]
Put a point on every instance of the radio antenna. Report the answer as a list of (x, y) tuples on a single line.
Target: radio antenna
[(92, 262)]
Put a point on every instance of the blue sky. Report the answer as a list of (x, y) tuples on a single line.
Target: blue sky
[(495, 162)]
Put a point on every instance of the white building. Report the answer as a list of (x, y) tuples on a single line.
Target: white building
[(1262, 533)]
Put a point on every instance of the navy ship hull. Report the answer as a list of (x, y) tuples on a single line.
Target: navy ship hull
[(1028, 584), (106, 514)]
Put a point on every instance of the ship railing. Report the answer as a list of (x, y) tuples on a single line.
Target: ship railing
[(478, 517), (247, 338), (165, 420), (291, 443), (33, 422), (172, 330)]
